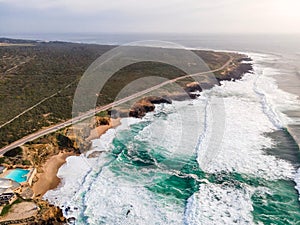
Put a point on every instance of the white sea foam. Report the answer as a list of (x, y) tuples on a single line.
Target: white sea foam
[(249, 114), (78, 171), (104, 142), (275, 100), (114, 202), (173, 132), (297, 180), (216, 204), (73, 174), (254, 106), (244, 139), (92, 194)]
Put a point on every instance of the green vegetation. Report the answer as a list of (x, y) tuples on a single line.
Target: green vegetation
[(102, 114), (14, 156), (7, 207), (5, 210), (2, 160), (26, 163), (30, 74)]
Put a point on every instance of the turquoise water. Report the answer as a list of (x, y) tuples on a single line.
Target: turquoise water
[(141, 179), (172, 179), (18, 175), (136, 161)]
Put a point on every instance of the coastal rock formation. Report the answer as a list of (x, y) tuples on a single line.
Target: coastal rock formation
[(192, 87), (49, 214), (99, 121), (239, 71), (245, 59), (159, 100), (140, 108), (145, 105)]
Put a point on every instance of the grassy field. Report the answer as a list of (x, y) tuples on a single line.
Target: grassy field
[(50, 72)]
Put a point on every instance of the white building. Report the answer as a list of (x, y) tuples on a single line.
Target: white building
[(8, 190)]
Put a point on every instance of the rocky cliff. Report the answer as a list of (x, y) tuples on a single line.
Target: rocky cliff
[(140, 108)]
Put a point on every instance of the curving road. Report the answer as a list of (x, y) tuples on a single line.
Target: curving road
[(90, 113)]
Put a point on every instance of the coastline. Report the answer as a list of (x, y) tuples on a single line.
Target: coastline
[(57, 161), (293, 129), (100, 130), (64, 204), (48, 179), (91, 139), (52, 165)]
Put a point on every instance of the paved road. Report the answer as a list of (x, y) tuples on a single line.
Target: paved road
[(90, 113)]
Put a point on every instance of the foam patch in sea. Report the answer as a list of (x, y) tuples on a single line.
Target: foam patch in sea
[(166, 168)]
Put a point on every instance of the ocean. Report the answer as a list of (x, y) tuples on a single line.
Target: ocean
[(151, 172)]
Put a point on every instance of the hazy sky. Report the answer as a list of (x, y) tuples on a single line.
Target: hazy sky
[(175, 16)]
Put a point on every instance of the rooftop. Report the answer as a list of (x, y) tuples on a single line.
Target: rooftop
[(7, 185)]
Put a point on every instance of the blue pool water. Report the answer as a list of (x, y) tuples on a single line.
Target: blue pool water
[(18, 175)]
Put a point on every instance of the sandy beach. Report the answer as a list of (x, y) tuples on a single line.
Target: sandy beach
[(48, 180)]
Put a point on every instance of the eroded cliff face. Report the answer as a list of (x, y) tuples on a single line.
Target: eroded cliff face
[(48, 214), (140, 108), (193, 86), (239, 71)]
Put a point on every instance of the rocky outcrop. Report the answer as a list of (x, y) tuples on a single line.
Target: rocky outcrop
[(140, 108), (239, 71), (145, 105), (99, 121), (49, 214), (192, 87), (159, 100), (245, 59)]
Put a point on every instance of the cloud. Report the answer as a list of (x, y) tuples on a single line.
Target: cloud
[(87, 6), (186, 16)]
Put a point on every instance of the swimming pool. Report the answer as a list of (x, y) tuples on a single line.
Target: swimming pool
[(18, 175)]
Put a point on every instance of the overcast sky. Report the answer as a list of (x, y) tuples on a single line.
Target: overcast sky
[(153, 16)]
